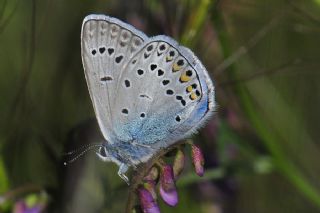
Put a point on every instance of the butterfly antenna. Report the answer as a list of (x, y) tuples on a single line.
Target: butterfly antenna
[(86, 149)]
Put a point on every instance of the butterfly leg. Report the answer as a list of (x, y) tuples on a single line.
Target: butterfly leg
[(121, 172), (128, 161)]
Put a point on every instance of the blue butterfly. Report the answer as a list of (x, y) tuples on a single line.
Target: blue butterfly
[(147, 92)]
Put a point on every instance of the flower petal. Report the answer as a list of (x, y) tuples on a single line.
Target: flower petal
[(150, 185), (168, 189), (148, 204), (19, 207)]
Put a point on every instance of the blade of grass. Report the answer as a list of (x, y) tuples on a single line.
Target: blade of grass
[(5, 21), (195, 23), (272, 142), (256, 38), (288, 169)]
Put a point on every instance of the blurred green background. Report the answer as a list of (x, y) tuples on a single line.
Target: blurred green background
[(262, 147)]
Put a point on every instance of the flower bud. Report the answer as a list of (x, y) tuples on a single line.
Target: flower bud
[(178, 164), (197, 159), (152, 175)]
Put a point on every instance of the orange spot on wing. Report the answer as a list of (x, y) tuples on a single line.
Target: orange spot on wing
[(193, 96), (176, 67), (169, 58), (184, 78), (189, 88)]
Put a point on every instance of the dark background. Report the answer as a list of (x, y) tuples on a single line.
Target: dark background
[(262, 147)]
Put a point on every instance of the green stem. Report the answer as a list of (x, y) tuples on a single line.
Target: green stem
[(195, 22)]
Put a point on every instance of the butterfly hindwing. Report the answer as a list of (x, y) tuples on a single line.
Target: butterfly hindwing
[(162, 94)]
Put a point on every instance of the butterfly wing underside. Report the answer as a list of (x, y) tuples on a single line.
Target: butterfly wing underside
[(165, 93), (107, 44), (144, 90)]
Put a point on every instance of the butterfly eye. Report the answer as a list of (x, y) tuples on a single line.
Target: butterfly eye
[(103, 152)]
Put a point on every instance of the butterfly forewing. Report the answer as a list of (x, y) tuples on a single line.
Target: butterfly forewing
[(107, 45)]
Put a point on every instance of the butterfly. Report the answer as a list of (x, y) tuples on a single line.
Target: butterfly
[(147, 92)]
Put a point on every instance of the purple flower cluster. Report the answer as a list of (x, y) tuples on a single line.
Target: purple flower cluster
[(165, 176), (22, 207)]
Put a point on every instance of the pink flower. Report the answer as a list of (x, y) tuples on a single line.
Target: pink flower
[(147, 202), (150, 185), (168, 189), (198, 160), (21, 207)]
